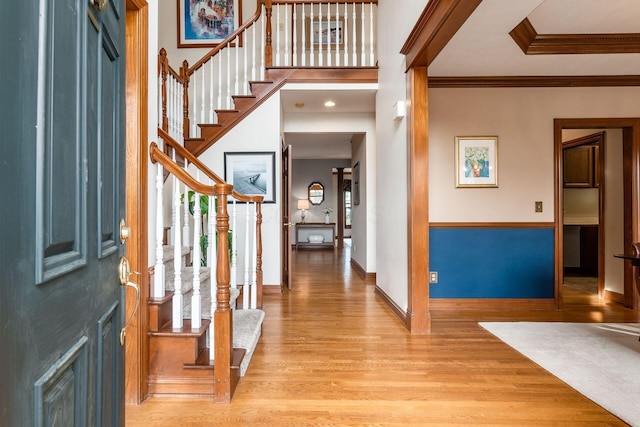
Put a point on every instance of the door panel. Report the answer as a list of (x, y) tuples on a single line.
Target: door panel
[(63, 153), (286, 216)]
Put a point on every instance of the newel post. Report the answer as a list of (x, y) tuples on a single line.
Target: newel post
[(163, 65), (223, 321), (184, 73), (268, 49)]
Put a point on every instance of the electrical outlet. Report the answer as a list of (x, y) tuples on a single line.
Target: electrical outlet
[(538, 206), (433, 277)]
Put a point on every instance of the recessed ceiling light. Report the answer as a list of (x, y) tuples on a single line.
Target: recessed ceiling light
[(329, 104), (299, 104)]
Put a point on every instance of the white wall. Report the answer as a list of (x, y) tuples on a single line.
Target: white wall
[(522, 118), (613, 212), (167, 37), (260, 131), (389, 211), (356, 123)]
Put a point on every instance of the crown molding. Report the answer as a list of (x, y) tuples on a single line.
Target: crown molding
[(534, 81), (532, 43), (437, 24)]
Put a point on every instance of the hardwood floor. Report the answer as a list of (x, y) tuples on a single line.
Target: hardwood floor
[(333, 354)]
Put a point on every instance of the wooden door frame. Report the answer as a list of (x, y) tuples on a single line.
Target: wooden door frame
[(136, 346), (631, 143)]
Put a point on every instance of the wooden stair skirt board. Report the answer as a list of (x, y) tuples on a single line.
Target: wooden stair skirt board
[(179, 359)]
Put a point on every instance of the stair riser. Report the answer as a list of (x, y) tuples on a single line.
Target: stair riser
[(170, 353), (192, 386)]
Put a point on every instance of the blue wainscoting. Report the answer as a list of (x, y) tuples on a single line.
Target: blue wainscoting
[(492, 262)]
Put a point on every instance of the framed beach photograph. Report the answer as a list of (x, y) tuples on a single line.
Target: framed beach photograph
[(206, 23), (476, 160), (252, 173), (325, 32)]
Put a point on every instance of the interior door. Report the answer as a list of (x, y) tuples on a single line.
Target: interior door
[(61, 302), (286, 216)]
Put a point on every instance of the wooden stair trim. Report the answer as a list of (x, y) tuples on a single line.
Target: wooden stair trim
[(276, 78), (204, 360), (185, 331)]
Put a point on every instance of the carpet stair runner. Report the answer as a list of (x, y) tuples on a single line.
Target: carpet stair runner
[(247, 323)]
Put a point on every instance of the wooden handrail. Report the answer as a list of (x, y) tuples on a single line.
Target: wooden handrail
[(208, 172), (157, 156)]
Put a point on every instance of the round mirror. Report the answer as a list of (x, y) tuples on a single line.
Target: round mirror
[(316, 193)]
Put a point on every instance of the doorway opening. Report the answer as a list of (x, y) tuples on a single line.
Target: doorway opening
[(606, 223)]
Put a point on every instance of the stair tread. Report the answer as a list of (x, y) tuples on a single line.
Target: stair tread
[(243, 96), (205, 303), (247, 325), (227, 110), (167, 252), (186, 330)]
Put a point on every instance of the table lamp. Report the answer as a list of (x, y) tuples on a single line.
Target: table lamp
[(303, 205)]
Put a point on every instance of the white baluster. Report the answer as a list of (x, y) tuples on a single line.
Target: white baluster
[(172, 108), (277, 36), (177, 260), (329, 34), (236, 88), (263, 44), (211, 91), (180, 114), (245, 83), (372, 59), (304, 37), (192, 115), (203, 97), (245, 286), (219, 82), (345, 35), (354, 37), (253, 52), (254, 261), (185, 207), (196, 316), (228, 95), (287, 52), (158, 269), (363, 51), (319, 34), (311, 38), (233, 280), (339, 34), (160, 99), (294, 30)]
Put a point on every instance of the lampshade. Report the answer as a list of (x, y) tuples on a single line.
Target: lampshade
[(303, 204)]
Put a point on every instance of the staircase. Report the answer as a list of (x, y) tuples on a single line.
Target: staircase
[(204, 347)]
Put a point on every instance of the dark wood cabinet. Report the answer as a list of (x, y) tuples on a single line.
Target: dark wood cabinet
[(578, 167)]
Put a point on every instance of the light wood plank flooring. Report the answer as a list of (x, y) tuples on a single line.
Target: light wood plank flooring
[(333, 355)]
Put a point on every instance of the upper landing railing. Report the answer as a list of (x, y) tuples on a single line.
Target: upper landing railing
[(283, 33)]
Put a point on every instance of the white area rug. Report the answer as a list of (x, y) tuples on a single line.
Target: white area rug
[(599, 360)]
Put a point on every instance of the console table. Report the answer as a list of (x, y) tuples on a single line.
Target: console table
[(306, 229)]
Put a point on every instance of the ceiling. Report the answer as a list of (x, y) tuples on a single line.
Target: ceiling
[(483, 47)]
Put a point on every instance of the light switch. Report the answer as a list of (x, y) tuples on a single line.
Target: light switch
[(538, 206)]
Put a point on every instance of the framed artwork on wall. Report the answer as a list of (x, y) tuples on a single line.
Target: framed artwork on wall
[(325, 33), (476, 159), (252, 174), (206, 23)]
